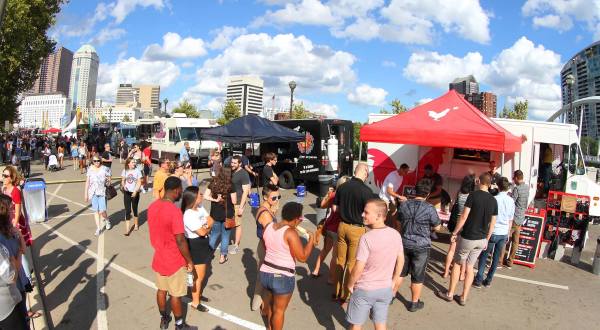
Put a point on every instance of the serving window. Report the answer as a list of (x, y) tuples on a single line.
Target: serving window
[(476, 155)]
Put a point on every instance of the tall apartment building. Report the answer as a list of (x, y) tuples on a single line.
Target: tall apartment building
[(486, 102), (149, 97), (585, 92), (84, 77), (126, 95), (465, 85), (45, 110), (247, 93), (55, 73)]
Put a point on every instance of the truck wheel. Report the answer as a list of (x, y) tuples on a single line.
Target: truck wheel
[(286, 180)]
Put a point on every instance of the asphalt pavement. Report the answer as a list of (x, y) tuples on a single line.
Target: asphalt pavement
[(106, 282)]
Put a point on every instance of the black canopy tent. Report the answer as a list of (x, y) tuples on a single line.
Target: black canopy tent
[(250, 129)]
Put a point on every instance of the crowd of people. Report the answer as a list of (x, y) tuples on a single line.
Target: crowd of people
[(376, 240)]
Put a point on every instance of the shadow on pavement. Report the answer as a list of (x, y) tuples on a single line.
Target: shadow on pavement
[(316, 294), (56, 210), (250, 270)]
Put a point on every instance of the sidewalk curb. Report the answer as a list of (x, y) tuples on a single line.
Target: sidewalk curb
[(36, 299)]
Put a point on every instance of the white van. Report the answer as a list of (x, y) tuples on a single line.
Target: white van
[(568, 167), (169, 134)]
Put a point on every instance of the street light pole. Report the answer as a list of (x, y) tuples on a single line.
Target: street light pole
[(570, 80), (292, 85), (110, 115)]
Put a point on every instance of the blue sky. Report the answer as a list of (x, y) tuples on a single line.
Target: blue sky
[(348, 57)]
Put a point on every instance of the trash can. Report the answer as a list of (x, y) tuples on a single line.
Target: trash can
[(325, 180), (34, 198)]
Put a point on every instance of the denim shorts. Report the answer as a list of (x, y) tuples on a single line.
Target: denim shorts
[(362, 302), (276, 283), (98, 203)]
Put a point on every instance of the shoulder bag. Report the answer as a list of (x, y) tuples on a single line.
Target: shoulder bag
[(229, 222), (110, 191)]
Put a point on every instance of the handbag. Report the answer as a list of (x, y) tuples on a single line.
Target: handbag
[(229, 222), (453, 217), (110, 192)]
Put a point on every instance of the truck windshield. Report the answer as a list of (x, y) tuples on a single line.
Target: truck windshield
[(576, 163), (188, 133)]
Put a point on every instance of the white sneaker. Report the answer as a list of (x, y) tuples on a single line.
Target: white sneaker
[(97, 232), (143, 190), (234, 249), (107, 222)]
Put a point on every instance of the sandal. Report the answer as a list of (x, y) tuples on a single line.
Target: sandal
[(224, 260), (200, 308), (203, 298), (33, 315), (459, 300), (443, 296)]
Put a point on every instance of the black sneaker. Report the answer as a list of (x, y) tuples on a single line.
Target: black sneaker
[(185, 326), (164, 322), (415, 306), (477, 285), (487, 284)]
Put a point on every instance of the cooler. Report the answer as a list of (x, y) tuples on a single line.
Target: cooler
[(34, 199)]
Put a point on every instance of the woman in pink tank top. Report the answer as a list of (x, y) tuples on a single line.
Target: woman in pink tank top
[(283, 247)]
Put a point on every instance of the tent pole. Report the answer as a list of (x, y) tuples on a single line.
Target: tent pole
[(359, 153), (502, 165)]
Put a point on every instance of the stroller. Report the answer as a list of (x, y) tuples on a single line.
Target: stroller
[(52, 163)]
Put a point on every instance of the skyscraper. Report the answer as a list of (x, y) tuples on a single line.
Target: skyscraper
[(84, 77), (126, 95), (486, 102), (55, 73), (585, 92), (465, 85), (149, 97), (247, 93)]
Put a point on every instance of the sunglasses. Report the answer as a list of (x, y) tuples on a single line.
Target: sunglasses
[(5, 176), (276, 198), (96, 161)]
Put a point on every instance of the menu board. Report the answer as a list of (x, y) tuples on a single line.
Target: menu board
[(530, 240)]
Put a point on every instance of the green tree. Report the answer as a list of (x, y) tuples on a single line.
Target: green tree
[(300, 112), (229, 112), (397, 108), (519, 111), (126, 119), (589, 145), (23, 46), (103, 119), (187, 108), (356, 144)]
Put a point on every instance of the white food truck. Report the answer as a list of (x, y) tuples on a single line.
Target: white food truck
[(568, 167), (169, 134)]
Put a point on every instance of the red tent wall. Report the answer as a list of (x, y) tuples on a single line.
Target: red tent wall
[(448, 121)]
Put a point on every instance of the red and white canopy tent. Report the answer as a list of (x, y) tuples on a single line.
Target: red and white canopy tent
[(448, 121)]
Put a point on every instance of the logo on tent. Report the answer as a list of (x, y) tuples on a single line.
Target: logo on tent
[(436, 116)]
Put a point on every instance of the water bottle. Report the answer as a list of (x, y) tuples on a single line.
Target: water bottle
[(190, 279)]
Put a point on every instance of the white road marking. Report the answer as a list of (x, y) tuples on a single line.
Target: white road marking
[(218, 313), (68, 200), (550, 285), (100, 298), (68, 215), (49, 201)]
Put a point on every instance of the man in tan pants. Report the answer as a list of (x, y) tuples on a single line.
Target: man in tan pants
[(350, 201)]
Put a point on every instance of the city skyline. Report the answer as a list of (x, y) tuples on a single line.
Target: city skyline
[(348, 58)]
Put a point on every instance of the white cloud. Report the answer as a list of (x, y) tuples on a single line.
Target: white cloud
[(560, 14), (328, 110), (423, 101), (306, 12), (465, 17), (277, 60), (136, 71), (108, 34), (80, 27), (187, 64), (175, 47), (122, 8), (224, 36), (406, 21), (522, 71), (366, 95), (437, 70)]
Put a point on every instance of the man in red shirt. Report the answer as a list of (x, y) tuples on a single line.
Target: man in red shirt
[(171, 260)]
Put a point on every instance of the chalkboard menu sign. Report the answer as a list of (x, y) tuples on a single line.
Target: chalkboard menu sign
[(530, 240)]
